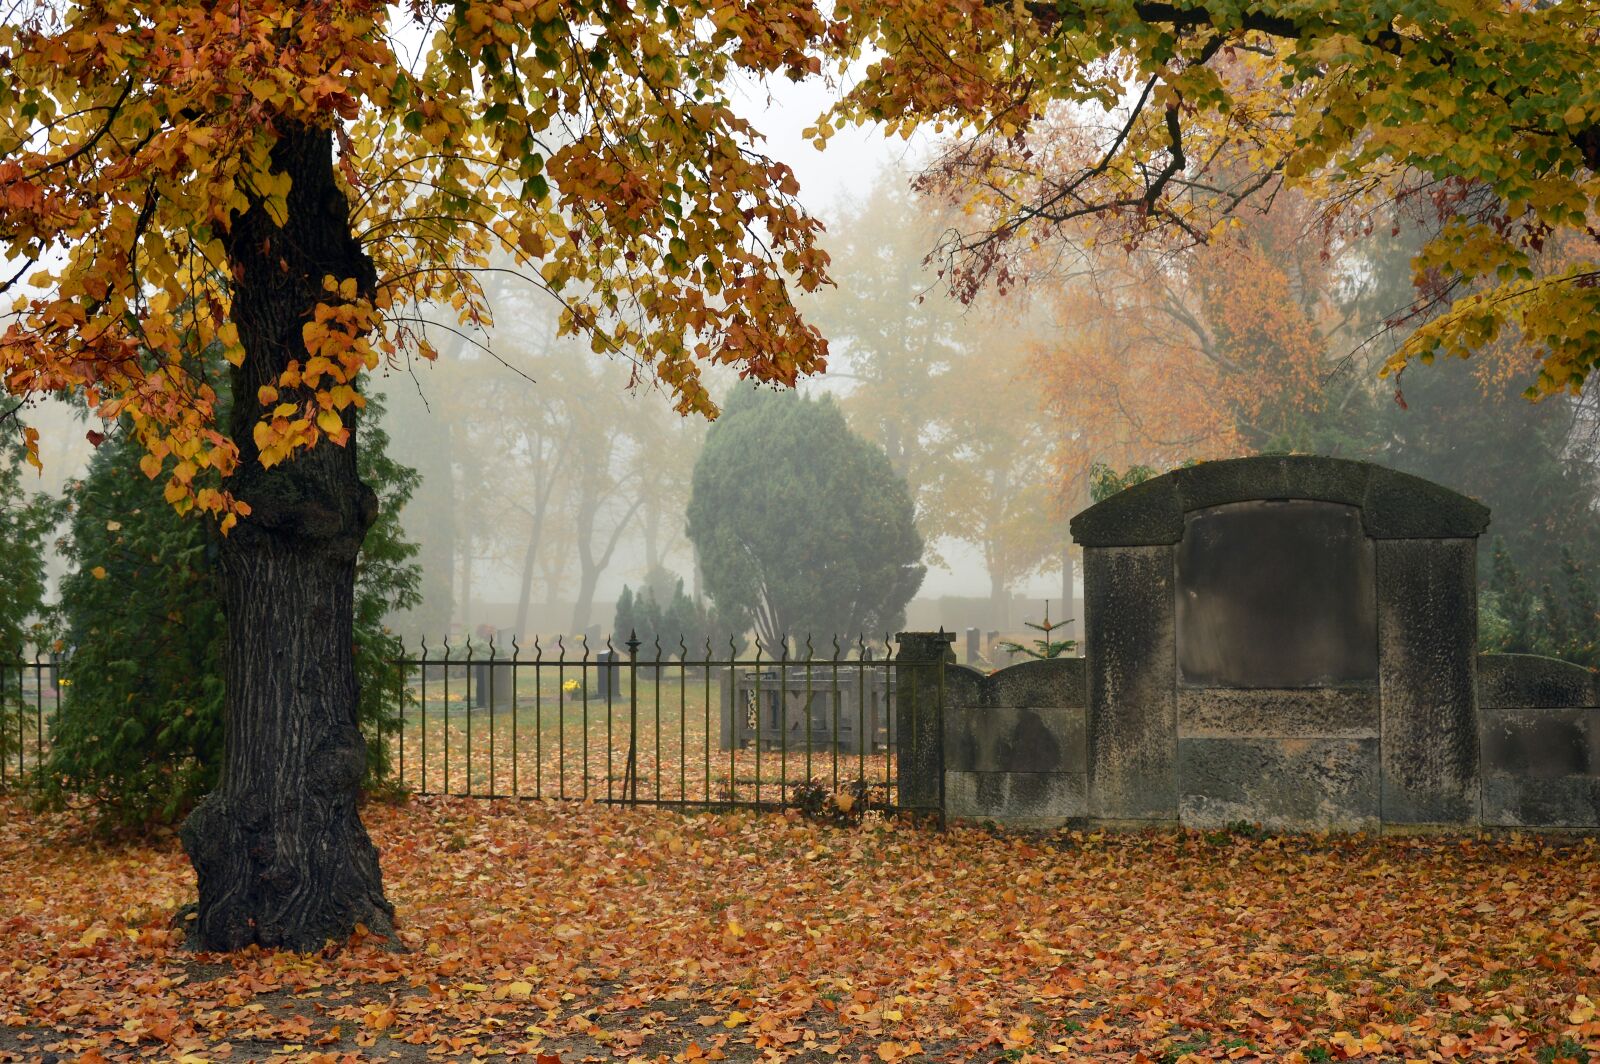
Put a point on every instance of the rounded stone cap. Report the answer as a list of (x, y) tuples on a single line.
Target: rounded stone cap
[(1530, 681), (1393, 505)]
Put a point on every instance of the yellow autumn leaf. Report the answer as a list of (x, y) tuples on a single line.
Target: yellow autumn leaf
[(99, 572)]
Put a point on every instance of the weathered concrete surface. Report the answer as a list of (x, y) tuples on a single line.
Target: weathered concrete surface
[(1132, 682), (1035, 798), (1299, 712), (923, 665), (1394, 505), (1540, 743), (1529, 681), (1427, 657), (1286, 784), (1034, 739), (1050, 682), (1562, 802)]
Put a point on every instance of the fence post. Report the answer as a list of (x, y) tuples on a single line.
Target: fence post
[(919, 717), (630, 778)]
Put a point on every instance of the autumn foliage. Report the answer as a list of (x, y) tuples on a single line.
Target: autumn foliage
[(594, 149), (1205, 353), (541, 931)]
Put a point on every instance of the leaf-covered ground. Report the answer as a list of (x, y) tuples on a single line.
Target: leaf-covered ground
[(573, 932)]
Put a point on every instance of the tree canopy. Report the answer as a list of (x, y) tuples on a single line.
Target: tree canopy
[(1484, 118), (26, 518), (594, 145), (802, 527)]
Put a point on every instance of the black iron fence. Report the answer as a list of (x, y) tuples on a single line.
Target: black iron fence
[(30, 697), (636, 724), (667, 725)]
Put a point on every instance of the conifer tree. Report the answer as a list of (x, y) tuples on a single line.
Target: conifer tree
[(141, 732), (25, 521)]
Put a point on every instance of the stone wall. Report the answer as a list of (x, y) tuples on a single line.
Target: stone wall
[(1286, 641), (1539, 722), (1015, 743)]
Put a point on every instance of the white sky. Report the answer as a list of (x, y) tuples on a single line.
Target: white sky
[(829, 179)]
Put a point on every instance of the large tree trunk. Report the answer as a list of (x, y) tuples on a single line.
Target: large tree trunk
[(279, 850)]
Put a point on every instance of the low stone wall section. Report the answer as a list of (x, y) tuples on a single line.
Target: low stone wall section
[(1284, 759), (1016, 743), (1539, 727)]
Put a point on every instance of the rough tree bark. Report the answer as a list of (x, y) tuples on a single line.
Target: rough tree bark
[(279, 850)]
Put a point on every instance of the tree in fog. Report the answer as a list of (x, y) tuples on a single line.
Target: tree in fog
[(803, 528)]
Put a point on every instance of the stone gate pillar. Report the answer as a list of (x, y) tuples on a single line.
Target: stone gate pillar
[(918, 717)]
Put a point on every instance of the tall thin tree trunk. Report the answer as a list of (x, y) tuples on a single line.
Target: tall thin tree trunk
[(999, 601), (279, 851), (583, 608), (530, 556)]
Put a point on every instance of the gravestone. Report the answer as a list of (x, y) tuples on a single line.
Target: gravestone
[(494, 681), (1287, 640), (609, 674), (973, 654)]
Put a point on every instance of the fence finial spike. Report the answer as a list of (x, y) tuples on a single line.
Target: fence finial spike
[(633, 641)]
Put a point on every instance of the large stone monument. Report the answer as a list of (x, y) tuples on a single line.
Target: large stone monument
[(1284, 640)]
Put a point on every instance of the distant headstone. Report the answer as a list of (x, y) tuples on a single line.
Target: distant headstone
[(494, 682), (610, 673), (973, 655)]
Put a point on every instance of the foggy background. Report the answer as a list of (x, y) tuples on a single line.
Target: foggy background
[(540, 499)]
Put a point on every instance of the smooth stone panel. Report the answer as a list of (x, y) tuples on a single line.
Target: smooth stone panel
[(1276, 593), (1427, 657), (1566, 802), (1285, 784), (1296, 712), (1032, 796), (1132, 672), (1036, 739), (1540, 743)]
